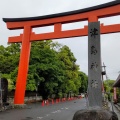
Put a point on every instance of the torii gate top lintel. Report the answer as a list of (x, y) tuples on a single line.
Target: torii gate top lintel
[(110, 4), (91, 14)]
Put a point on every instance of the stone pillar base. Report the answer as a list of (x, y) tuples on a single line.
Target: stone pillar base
[(95, 114), (19, 105)]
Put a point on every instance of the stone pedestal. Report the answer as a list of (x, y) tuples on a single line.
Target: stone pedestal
[(19, 106), (95, 115)]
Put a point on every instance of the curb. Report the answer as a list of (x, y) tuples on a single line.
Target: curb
[(117, 106)]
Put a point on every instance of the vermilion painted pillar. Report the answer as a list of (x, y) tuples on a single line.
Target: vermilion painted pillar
[(115, 95), (23, 66)]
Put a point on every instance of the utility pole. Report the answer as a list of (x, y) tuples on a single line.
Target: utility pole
[(105, 71)]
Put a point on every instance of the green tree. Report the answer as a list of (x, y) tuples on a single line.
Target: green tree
[(108, 85), (70, 68), (45, 68), (84, 82), (52, 68), (9, 57)]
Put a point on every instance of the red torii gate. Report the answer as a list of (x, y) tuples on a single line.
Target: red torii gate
[(91, 14)]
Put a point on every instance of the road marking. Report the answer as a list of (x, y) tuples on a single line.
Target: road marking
[(54, 112), (58, 110), (64, 108), (39, 117)]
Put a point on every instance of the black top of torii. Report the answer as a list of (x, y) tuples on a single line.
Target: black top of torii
[(63, 14)]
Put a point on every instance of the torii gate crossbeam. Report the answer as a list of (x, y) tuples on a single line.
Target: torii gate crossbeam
[(91, 14)]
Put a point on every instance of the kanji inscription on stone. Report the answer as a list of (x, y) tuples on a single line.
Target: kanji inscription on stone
[(94, 65), (93, 32), (94, 84), (93, 50)]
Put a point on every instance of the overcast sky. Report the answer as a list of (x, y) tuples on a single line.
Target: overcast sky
[(29, 8)]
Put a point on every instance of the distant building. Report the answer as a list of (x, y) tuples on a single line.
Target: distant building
[(117, 83)]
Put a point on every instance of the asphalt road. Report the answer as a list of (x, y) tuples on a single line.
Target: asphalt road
[(60, 111)]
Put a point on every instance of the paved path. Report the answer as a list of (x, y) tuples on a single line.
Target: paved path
[(114, 109), (60, 111), (117, 112)]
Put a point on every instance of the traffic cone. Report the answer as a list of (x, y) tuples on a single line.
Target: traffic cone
[(47, 102), (43, 103), (56, 100), (52, 101)]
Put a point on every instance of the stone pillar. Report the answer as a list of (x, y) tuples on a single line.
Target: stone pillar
[(94, 66)]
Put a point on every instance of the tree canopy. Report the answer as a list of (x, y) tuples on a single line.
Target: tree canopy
[(52, 69), (108, 86)]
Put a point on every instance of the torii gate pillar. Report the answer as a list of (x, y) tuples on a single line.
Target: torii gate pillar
[(23, 66)]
